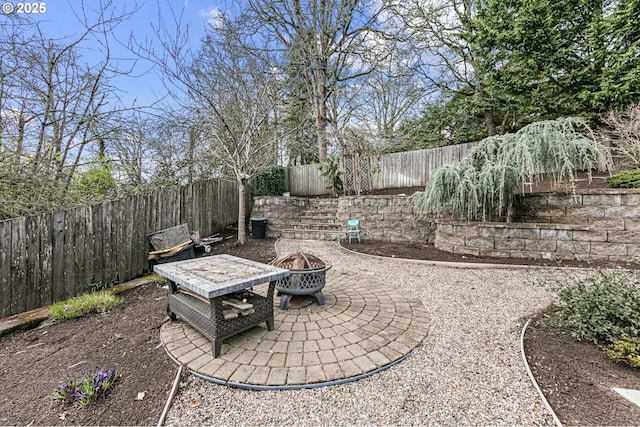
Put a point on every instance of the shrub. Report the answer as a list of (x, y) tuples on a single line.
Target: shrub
[(331, 171), (602, 308), (86, 390), (80, 306), (627, 179), (625, 350), (271, 181), (623, 129)]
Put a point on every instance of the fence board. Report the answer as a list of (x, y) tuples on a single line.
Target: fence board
[(33, 269), (98, 243), (5, 268), (81, 257), (45, 222), (69, 275), (58, 291), (19, 264), (396, 170), (54, 256)]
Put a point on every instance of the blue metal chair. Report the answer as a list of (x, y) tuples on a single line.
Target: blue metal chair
[(354, 229)]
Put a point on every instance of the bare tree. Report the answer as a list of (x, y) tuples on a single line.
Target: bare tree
[(451, 65), (331, 42), (53, 105), (232, 94), (622, 129)]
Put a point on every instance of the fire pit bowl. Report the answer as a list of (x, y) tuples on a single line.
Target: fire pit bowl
[(307, 277)]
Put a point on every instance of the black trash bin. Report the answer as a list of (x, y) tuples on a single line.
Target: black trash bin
[(259, 227)]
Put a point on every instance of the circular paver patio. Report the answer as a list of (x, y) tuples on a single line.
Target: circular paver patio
[(364, 327)]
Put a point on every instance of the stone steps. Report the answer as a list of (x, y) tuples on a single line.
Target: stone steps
[(318, 221)]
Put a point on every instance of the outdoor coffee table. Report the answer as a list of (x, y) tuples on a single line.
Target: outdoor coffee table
[(206, 281)]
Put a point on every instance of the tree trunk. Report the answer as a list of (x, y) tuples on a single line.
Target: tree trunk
[(191, 160), (321, 121), (241, 211), (490, 123)]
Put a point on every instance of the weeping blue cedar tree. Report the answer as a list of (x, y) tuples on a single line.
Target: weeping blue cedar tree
[(483, 185)]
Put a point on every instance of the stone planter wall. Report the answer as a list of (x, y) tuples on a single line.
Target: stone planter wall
[(598, 224)]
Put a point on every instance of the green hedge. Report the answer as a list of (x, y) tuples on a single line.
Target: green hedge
[(627, 179), (271, 181)]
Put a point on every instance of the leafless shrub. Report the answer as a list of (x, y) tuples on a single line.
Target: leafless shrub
[(622, 129)]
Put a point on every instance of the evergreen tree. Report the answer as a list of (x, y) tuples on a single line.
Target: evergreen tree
[(621, 81)]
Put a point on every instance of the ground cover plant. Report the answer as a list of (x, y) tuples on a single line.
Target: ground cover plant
[(626, 179)]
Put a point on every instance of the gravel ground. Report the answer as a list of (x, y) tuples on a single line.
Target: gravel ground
[(468, 371)]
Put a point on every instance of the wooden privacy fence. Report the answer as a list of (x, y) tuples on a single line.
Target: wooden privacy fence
[(55, 256), (395, 170)]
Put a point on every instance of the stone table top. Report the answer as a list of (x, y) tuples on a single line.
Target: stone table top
[(217, 275)]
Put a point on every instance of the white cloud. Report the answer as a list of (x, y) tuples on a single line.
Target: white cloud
[(213, 16)]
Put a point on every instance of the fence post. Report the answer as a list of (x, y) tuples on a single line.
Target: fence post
[(57, 256)]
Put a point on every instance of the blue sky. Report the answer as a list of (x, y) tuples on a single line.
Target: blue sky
[(59, 20)]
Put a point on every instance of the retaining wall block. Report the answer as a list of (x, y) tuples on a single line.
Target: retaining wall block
[(583, 222), (561, 199), (631, 199), (467, 230), (631, 224), (550, 212), (553, 234), (444, 227), (624, 236), (497, 232), (607, 224), (371, 201), (611, 249), (409, 210), (531, 232), (585, 211), (401, 201), (509, 244), (622, 212), (449, 239), (564, 199), (595, 235), (633, 250), (387, 209), (601, 199), (540, 245), (480, 242), (573, 247), (393, 218), (443, 246), (465, 250)]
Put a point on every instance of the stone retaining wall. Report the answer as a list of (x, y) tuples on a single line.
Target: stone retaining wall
[(389, 218), (598, 224)]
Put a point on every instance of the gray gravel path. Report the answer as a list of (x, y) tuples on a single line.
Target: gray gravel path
[(468, 371)]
